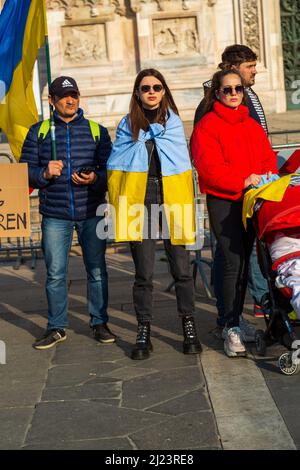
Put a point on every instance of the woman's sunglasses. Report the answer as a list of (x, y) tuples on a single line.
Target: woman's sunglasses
[(157, 88), (228, 90)]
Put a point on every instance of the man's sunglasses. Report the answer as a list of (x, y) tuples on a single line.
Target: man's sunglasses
[(228, 90), (157, 88)]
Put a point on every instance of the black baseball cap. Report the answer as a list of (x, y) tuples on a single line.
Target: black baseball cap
[(62, 86)]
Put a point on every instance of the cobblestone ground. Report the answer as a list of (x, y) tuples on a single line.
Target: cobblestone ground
[(83, 395)]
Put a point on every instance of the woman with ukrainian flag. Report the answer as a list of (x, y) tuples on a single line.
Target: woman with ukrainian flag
[(151, 191)]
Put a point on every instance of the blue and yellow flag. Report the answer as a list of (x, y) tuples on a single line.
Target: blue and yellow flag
[(127, 169), (22, 33), (273, 191)]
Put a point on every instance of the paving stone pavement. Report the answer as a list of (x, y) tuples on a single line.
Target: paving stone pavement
[(85, 395)]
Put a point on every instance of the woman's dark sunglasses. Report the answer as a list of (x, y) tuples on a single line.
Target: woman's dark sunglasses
[(157, 88), (228, 90)]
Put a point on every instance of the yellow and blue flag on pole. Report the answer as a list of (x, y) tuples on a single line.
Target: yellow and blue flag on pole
[(22, 32)]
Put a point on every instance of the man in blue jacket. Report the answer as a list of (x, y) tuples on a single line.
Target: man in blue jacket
[(69, 199)]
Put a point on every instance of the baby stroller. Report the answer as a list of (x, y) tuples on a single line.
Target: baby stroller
[(268, 218)]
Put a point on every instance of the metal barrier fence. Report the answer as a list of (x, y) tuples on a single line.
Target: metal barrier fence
[(23, 246), (17, 249), (8, 156), (32, 245), (285, 137)]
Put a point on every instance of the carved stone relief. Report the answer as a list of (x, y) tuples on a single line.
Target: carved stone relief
[(251, 22), (97, 8), (175, 37), (84, 45), (87, 8), (162, 5), (120, 7)]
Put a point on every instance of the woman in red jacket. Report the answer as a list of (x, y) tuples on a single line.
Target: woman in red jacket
[(231, 151)]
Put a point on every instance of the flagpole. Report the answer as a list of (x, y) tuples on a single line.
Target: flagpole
[(49, 80)]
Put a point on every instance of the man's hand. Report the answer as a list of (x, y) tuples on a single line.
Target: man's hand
[(84, 178), (53, 169)]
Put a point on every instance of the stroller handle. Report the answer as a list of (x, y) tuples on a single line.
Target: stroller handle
[(251, 186)]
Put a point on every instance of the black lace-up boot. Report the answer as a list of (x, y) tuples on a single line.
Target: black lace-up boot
[(143, 345), (191, 343)]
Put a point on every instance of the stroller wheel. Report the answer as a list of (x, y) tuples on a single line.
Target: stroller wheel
[(286, 364), (260, 342)]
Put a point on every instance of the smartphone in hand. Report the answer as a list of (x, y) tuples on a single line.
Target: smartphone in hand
[(85, 170)]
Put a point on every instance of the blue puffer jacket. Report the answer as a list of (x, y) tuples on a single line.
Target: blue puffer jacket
[(60, 197)]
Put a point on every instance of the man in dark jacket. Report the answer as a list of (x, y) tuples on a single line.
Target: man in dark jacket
[(69, 199), (243, 59)]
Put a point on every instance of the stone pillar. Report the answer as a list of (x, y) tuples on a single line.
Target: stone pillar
[(276, 95), (258, 26)]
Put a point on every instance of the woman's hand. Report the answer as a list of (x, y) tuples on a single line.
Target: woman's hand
[(269, 174), (252, 179)]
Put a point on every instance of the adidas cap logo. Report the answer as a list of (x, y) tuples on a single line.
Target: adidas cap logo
[(66, 83), (62, 86)]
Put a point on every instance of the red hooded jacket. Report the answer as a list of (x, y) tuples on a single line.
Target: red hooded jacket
[(228, 146)]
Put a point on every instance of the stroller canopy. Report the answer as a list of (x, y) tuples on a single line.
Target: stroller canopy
[(273, 216)]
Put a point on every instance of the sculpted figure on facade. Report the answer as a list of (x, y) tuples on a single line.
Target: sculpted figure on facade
[(251, 25), (117, 6), (120, 7), (95, 7), (191, 40), (166, 42), (162, 5), (82, 51), (84, 45), (66, 5), (176, 36)]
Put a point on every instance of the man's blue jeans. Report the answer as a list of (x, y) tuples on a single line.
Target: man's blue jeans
[(57, 237), (257, 284)]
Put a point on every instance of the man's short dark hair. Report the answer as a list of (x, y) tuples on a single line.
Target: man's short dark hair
[(236, 55)]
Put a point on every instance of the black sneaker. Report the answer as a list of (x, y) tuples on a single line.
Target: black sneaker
[(103, 334), (50, 338)]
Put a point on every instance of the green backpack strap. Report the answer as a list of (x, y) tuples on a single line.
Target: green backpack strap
[(95, 130), (44, 129)]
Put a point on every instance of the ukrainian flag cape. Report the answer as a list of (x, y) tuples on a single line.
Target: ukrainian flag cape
[(22, 33), (273, 191), (128, 167)]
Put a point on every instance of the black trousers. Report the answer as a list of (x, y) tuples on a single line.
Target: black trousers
[(143, 254), (236, 245)]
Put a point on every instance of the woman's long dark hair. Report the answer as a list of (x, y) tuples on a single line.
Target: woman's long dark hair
[(211, 94), (136, 115)]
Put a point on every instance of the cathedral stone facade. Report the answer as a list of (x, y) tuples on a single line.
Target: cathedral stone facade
[(104, 44)]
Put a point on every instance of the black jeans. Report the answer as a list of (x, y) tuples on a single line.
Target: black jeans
[(235, 245), (143, 254)]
